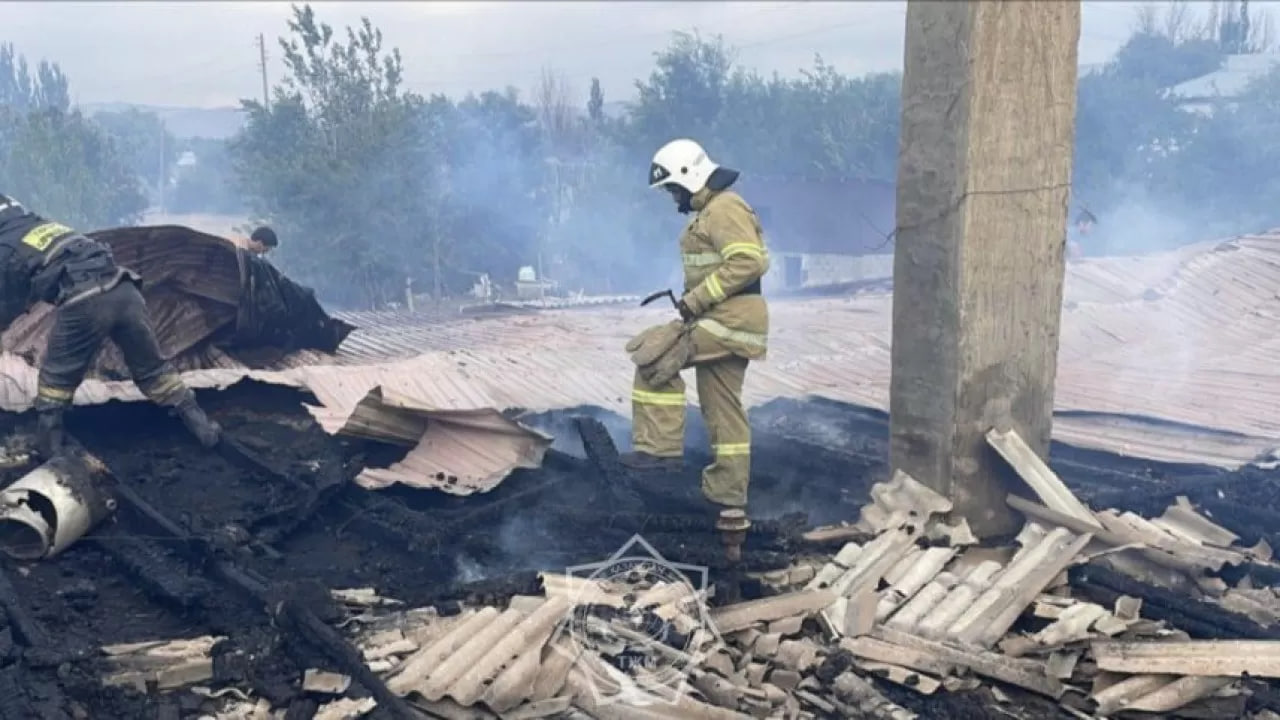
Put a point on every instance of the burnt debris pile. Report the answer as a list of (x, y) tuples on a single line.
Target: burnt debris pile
[(261, 582)]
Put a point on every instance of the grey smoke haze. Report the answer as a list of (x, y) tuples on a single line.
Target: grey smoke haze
[(205, 54)]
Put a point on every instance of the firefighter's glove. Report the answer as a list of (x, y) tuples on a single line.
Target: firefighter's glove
[(687, 313)]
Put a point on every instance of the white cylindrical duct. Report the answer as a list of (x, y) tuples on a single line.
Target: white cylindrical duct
[(50, 508)]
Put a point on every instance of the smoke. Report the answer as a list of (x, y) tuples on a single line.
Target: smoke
[(527, 542), (529, 181), (468, 570), (523, 542), (561, 425), (808, 457), (1154, 322), (1133, 222)]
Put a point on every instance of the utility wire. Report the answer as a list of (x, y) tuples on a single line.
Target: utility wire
[(242, 68)]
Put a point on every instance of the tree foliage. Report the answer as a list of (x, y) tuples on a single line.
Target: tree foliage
[(595, 103), (22, 91), (1192, 170), (53, 158), (374, 187), (335, 162)]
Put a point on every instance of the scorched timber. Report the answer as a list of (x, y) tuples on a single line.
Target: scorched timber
[(28, 628), (1197, 618), (280, 604)]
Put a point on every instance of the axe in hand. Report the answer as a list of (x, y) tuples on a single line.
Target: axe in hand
[(661, 293), (680, 307)]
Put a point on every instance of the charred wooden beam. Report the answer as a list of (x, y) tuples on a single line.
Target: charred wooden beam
[(28, 630), (1198, 619), (280, 605), (160, 575), (603, 454)]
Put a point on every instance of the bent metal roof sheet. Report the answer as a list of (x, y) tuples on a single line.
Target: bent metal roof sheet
[(1169, 357)]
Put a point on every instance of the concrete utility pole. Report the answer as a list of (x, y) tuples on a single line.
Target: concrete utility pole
[(162, 180), (984, 172), (262, 65)]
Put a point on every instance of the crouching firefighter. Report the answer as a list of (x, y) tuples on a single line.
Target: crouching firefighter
[(724, 259), (94, 299)]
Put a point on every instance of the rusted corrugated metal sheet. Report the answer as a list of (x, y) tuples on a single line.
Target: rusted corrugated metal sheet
[(1182, 337), (204, 295)]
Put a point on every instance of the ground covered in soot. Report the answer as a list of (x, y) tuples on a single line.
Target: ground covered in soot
[(298, 527)]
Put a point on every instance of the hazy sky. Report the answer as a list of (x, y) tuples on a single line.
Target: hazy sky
[(206, 54)]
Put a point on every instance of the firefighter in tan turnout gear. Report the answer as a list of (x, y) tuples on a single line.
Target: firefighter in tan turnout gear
[(724, 260)]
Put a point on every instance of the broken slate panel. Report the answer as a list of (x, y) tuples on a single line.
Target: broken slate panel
[(1039, 477), (898, 500), (498, 653), (1183, 520), (1258, 658)]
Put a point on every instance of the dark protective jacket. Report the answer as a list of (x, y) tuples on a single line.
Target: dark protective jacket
[(45, 261)]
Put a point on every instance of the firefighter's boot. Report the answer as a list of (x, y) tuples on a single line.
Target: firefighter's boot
[(646, 462), (207, 432), (733, 525), (49, 432)]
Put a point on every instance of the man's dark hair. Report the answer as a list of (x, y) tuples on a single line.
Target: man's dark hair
[(266, 236)]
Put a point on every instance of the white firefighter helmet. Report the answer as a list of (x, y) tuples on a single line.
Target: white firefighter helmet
[(681, 162)]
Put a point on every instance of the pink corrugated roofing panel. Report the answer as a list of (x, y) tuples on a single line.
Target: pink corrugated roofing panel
[(1198, 349), (457, 451)]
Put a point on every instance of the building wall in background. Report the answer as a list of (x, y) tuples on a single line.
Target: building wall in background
[(823, 217), (799, 271)]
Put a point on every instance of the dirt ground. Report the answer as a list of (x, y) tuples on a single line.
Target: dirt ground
[(304, 529)]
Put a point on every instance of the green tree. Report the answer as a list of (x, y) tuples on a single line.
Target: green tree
[(1126, 122), (685, 94), (54, 159), (336, 163), (595, 102), (853, 131), (21, 91), (823, 124)]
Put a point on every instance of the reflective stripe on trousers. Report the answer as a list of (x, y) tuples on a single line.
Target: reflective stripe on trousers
[(658, 419), (742, 337), (647, 397), (50, 395), (720, 382), (732, 449)]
